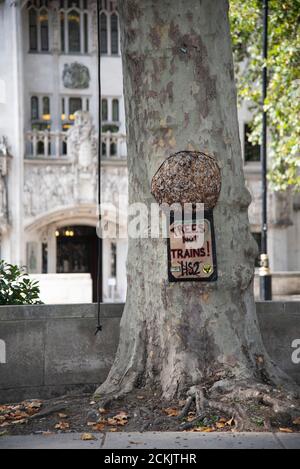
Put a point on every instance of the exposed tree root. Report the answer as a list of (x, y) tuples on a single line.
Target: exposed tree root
[(235, 404)]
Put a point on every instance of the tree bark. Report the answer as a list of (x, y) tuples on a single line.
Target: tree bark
[(180, 95)]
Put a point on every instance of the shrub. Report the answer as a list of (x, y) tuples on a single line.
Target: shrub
[(16, 288)]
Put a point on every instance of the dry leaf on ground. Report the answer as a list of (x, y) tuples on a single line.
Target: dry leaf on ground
[(171, 412), (11, 414), (286, 430), (62, 416), (119, 419), (296, 421), (62, 426), (220, 425), (98, 427), (87, 437), (203, 429)]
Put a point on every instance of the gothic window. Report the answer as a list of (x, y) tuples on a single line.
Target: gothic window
[(104, 109), (110, 112), (38, 20), (34, 108), (115, 110), (103, 34), (40, 120), (33, 31), (62, 31), (69, 106), (75, 104), (74, 31), (44, 25), (114, 33), (40, 112), (46, 108), (109, 29), (74, 26)]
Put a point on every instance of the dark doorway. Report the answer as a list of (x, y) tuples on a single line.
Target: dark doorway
[(77, 252)]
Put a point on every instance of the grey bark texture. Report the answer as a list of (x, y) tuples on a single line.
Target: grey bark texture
[(180, 96)]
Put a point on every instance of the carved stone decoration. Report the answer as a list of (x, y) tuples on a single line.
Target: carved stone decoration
[(82, 149), (47, 188), (188, 177), (94, 28), (76, 76), (55, 4), (4, 169)]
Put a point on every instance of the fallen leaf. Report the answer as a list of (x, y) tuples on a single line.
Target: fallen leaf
[(20, 416), (99, 427), (91, 424), (140, 397), (220, 425), (111, 430), (62, 426), (222, 420), (47, 433), (209, 429), (62, 416), (35, 405), (87, 437), (203, 429), (112, 421), (119, 419), (171, 412), (285, 430), (102, 410), (92, 403), (296, 421)]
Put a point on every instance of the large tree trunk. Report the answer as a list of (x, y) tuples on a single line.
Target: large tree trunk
[(180, 95)]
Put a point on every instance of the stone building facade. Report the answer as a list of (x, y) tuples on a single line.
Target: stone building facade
[(48, 148)]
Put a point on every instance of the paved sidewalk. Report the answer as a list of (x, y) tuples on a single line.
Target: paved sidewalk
[(155, 440)]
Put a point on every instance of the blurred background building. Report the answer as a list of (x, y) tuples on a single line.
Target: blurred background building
[(48, 153)]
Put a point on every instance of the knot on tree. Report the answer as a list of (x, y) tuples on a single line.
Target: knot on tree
[(187, 177)]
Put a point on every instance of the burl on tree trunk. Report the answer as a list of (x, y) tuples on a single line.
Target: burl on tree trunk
[(189, 338)]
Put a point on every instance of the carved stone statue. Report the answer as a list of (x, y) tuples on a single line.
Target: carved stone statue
[(76, 76), (82, 149)]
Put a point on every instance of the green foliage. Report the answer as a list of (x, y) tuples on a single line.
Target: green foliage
[(283, 99), (16, 288)]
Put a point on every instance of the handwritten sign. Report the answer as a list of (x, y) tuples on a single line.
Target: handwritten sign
[(191, 250)]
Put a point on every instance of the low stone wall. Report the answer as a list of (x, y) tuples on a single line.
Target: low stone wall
[(284, 285), (50, 350), (65, 288)]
